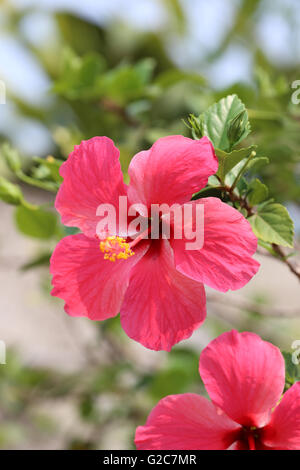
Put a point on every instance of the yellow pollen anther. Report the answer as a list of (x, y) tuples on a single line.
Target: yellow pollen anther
[(115, 248)]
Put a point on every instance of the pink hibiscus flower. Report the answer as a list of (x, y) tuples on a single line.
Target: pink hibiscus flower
[(156, 285), (244, 377)]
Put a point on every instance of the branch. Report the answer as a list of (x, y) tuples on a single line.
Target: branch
[(235, 198), (277, 248), (244, 304), (295, 269)]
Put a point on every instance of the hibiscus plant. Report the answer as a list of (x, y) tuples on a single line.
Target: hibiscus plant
[(161, 195)]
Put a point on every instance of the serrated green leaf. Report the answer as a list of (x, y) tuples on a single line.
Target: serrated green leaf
[(228, 160), (217, 119), (258, 192), (272, 223), (36, 223)]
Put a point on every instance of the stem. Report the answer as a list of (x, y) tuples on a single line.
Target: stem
[(47, 186), (249, 306), (264, 115), (28, 205), (235, 198), (294, 269), (242, 170), (244, 204)]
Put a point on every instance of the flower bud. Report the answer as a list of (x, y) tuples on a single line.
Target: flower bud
[(237, 127), (196, 126)]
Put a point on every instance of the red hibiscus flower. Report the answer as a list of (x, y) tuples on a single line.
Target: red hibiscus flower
[(244, 377), (156, 285)]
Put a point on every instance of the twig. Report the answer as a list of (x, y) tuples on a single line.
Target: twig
[(295, 269), (46, 185), (235, 198), (244, 304), (277, 248), (242, 170)]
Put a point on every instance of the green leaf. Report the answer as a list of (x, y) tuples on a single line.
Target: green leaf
[(53, 165), (268, 246), (227, 161), (10, 193), (213, 181), (126, 83), (272, 223), (38, 261), (11, 157), (177, 376), (292, 370), (173, 76), (176, 11), (218, 119), (35, 223), (268, 86), (234, 172), (258, 192), (144, 69), (80, 76), (256, 164)]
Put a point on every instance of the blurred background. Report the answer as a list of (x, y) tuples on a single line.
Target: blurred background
[(132, 70)]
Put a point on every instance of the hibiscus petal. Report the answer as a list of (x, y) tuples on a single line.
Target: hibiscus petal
[(243, 375), (186, 422), (171, 171), (225, 259), (161, 306), (283, 431), (90, 285), (92, 176)]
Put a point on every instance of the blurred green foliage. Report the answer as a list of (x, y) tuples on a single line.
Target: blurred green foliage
[(116, 81)]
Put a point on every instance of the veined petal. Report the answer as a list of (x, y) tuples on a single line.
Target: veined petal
[(244, 376), (161, 306), (90, 285), (186, 422), (225, 259), (283, 430), (171, 171), (92, 176)]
